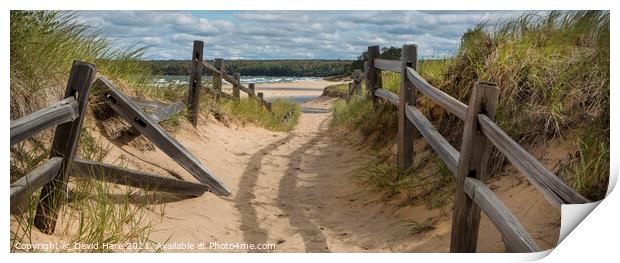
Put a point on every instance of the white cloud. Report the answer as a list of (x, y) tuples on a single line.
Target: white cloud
[(287, 34)]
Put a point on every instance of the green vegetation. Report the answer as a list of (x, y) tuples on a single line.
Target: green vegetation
[(337, 90), (284, 114), (424, 183), (288, 67), (43, 45), (553, 72), (96, 212)]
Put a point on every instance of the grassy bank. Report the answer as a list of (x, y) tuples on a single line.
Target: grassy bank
[(553, 72), (43, 45)]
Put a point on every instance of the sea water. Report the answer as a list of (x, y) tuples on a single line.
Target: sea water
[(166, 80)]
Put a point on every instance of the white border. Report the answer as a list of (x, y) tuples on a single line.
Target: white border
[(593, 238)]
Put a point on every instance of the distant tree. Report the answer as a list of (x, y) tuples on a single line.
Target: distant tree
[(385, 53), (300, 68)]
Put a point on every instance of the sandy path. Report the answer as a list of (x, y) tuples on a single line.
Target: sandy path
[(297, 190)]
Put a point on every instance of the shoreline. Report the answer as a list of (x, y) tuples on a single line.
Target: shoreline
[(305, 88)]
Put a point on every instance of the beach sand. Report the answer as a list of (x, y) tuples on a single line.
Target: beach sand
[(305, 89), (297, 190)]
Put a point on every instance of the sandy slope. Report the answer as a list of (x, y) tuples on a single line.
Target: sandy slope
[(295, 190)]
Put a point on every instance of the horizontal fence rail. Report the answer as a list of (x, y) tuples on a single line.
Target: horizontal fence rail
[(388, 65), (514, 234), (228, 78), (443, 99), (219, 75), (478, 129), (507, 224), (556, 191), (119, 175), (64, 111), (34, 180)]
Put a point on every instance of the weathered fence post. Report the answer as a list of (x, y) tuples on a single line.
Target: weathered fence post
[(252, 87), (217, 78), (473, 162), (373, 75), (409, 58), (357, 81), (235, 92), (195, 83), (350, 90), (64, 145)]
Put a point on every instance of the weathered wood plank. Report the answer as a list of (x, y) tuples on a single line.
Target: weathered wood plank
[(234, 81), (226, 77), (211, 68), (64, 111), (119, 175), (473, 162), (34, 180), (64, 145), (252, 88), (357, 81), (156, 134), (373, 75), (195, 83), (235, 90), (147, 104), (405, 136), (514, 234), (443, 99), (552, 187), (442, 147), (217, 77), (387, 95), (350, 91), (388, 65)]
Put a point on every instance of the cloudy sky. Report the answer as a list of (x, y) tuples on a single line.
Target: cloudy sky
[(287, 34)]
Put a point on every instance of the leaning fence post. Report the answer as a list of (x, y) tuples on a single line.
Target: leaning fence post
[(357, 81), (373, 75), (195, 83), (217, 78), (473, 162), (64, 145), (237, 77), (409, 58)]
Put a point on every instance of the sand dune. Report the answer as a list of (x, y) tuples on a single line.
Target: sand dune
[(296, 190)]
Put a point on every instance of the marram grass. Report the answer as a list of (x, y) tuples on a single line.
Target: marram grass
[(553, 74)]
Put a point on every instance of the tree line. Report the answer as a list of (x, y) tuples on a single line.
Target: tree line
[(296, 68), (392, 53)]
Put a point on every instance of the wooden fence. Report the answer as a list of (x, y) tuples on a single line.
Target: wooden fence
[(68, 116), (470, 166), (218, 70)]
